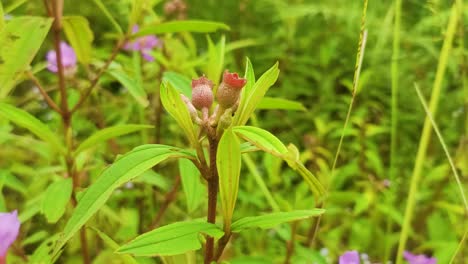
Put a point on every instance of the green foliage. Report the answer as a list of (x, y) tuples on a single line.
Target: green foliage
[(123, 170), (26, 120), (228, 161), (80, 35), (290, 121), (56, 198), (172, 239), (20, 40)]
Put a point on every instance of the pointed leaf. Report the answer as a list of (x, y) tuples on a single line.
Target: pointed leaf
[(228, 162), (109, 133), (262, 139), (80, 36), (254, 95), (172, 239), (28, 121), (56, 198), (20, 40), (174, 105), (125, 168), (273, 219)]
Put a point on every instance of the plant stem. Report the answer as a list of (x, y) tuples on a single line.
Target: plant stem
[(43, 92), (101, 71), (426, 133), (57, 7), (213, 183), (394, 123), (290, 243)]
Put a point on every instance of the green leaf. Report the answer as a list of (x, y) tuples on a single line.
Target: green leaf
[(56, 198), (26, 120), (267, 142), (215, 64), (172, 239), (80, 36), (228, 162), (110, 243), (193, 188), (262, 139), (109, 16), (179, 82), (280, 103), (196, 26), (273, 219), (126, 168), (20, 40), (174, 105), (131, 84), (251, 96), (108, 133)]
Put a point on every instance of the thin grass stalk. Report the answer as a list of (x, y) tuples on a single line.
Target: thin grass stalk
[(444, 147), (394, 119), (357, 72), (426, 132)]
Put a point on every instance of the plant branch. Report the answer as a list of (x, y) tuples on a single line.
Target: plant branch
[(290, 244), (101, 71), (43, 92)]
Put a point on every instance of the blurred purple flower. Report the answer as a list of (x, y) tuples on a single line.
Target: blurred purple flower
[(350, 257), (9, 229), (418, 259), (143, 44), (68, 59)]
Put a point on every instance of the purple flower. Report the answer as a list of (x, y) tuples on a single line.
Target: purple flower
[(68, 59), (143, 44), (418, 259), (9, 229), (350, 257)]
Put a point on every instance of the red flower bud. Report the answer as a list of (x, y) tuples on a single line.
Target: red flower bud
[(202, 94), (229, 90)]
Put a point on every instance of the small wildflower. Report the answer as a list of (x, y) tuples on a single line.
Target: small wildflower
[(9, 229), (143, 44), (419, 259), (229, 90), (68, 59), (350, 257), (202, 94)]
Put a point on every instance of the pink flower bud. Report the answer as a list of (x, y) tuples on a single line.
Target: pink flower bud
[(229, 90), (202, 94)]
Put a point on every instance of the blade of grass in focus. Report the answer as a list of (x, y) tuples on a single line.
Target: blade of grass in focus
[(426, 133)]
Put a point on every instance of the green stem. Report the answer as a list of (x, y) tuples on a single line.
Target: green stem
[(394, 129), (426, 132)]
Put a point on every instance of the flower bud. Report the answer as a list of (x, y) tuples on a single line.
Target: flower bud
[(202, 94), (229, 90)]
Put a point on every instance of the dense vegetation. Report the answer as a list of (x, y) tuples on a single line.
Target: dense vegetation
[(250, 131)]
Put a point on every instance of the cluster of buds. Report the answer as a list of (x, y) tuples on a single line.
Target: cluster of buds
[(176, 8), (227, 96)]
